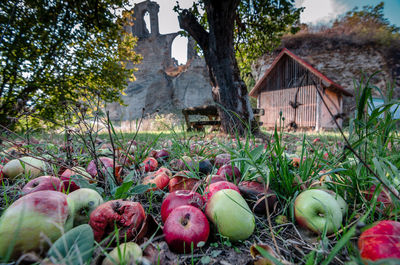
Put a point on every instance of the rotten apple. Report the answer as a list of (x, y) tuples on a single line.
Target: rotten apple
[(182, 181), (32, 222), (222, 159), (127, 216), (160, 179), (149, 164), (178, 198), (42, 183), (185, 227)]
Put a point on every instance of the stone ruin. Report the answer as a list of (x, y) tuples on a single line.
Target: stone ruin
[(161, 84)]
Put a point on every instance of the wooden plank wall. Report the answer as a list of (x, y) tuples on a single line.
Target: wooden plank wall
[(277, 101)]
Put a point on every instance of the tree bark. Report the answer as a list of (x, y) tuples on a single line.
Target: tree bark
[(229, 91)]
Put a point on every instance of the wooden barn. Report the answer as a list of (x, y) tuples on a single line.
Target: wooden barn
[(294, 88)]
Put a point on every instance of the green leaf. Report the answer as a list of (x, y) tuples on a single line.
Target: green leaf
[(122, 190), (205, 260), (74, 247)]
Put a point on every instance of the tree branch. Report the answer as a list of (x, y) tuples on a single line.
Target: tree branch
[(188, 22)]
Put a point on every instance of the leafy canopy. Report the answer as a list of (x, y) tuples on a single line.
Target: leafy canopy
[(259, 26), (55, 52)]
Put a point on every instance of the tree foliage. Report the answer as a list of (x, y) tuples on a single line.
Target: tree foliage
[(58, 51), (259, 26)]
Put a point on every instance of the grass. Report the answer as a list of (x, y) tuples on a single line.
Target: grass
[(350, 166)]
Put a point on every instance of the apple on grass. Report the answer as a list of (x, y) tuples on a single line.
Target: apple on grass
[(105, 163), (214, 178), (42, 183), (185, 228), (127, 216), (178, 198), (217, 186), (231, 215), (82, 203), (182, 181), (232, 173), (125, 253), (382, 241), (24, 166), (68, 176), (160, 178), (317, 210), (222, 159), (149, 164), (33, 221)]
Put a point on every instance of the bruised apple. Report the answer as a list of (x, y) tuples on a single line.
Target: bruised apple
[(231, 215), (382, 241), (42, 183), (149, 164), (127, 216), (179, 198), (185, 227), (33, 221)]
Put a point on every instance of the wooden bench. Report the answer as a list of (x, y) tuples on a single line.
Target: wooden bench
[(211, 112)]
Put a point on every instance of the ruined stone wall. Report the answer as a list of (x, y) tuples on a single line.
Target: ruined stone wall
[(342, 63), (160, 84)]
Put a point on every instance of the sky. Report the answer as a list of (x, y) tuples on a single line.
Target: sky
[(316, 11)]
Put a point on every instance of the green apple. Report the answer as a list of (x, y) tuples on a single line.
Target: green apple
[(231, 215), (125, 253), (32, 222), (339, 199), (317, 210), (24, 166), (82, 202)]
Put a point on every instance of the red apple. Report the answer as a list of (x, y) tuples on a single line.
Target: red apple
[(222, 159), (160, 179), (179, 198), (231, 173), (162, 154), (127, 216), (104, 164), (69, 174), (186, 226), (1, 174), (215, 178), (382, 241), (220, 185), (383, 197), (149, 164), (32, 222), (42, 183), (182, 181)]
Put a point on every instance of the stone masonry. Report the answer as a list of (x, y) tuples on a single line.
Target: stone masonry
[(161, 85)]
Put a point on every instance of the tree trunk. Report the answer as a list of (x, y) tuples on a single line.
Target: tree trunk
[(229, 91)]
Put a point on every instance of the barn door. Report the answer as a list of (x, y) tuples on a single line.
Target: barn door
[(278, 101)]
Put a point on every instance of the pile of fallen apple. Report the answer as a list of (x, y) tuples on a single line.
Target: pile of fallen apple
[(197, 203)]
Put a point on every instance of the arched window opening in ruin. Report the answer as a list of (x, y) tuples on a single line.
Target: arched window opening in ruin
[(179, 49), (146, 19)]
